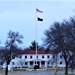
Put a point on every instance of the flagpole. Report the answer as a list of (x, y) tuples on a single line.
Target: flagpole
[(36, 36), (37, 19)]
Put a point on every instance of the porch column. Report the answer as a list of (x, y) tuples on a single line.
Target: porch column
[(45, 64), (28, 64), (33, 63), (40, 63)]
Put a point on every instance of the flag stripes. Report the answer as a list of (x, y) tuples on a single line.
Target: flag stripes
[(39, 19), (39, 10)]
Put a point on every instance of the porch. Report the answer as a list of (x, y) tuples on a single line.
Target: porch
[(40, 63)]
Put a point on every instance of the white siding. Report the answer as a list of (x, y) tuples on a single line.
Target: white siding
[(20, 62)]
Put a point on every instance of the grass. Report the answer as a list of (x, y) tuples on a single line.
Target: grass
[(22, 71)]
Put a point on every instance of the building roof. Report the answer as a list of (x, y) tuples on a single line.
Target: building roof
[(38, 52)]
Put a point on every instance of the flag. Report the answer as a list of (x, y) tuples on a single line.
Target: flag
[(39, 19), (39, 10)]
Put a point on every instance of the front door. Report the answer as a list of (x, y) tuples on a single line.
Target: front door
[(38, 63)]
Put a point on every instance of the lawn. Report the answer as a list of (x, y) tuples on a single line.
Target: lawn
[(32, 72)]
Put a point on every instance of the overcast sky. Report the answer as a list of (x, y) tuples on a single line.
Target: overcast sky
[(21, 16)]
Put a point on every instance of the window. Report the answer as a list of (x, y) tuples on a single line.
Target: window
[(53, 56), (60, 56), (60, 62), (31, 56), (25, 63), (1, 63), (48, 63), (43, 62), (13, 63), (37, 56), (31, 63), (20, 56), (25, 56), (42, 56), (48, 56)]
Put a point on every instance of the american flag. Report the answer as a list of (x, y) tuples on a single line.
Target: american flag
[(39, 11)]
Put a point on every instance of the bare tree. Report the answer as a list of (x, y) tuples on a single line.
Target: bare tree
[(58, 37), (13, 39)]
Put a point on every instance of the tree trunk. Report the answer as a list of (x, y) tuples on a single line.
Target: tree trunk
[(6, 70), (66, 69)]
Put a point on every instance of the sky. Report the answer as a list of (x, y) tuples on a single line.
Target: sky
[(21, 16)]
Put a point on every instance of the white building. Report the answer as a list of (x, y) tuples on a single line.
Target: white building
[(29, 58), (44, 59)]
